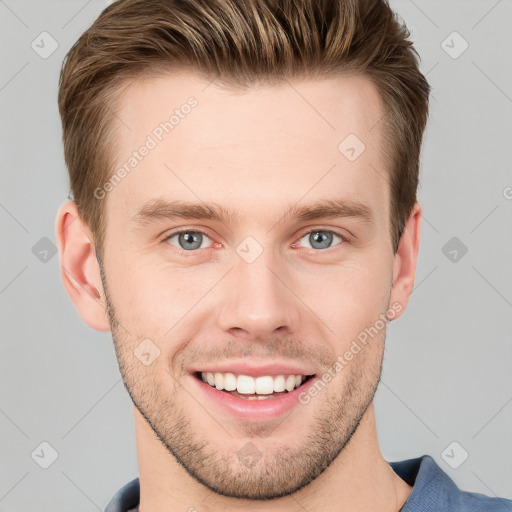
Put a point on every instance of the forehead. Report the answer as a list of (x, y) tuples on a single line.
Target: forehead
[(251, 149), (307, 109)]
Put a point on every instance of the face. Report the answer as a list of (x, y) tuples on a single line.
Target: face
[(248, 240)]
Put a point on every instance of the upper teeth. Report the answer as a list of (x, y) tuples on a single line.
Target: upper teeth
[(247, 385)]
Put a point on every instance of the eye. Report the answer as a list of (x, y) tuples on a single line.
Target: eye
[(188, 240), (321, 238)]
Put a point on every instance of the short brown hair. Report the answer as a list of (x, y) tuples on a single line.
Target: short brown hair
[(240, 43)]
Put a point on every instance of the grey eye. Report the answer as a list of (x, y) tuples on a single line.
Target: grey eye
[(188, 240), (320, 239)]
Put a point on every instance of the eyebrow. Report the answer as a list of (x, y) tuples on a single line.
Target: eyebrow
[(161, 209)]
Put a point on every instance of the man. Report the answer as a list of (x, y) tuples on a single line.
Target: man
[(245, 222)]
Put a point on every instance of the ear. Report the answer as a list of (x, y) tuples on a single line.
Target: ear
[(404, 266), (80, 271)]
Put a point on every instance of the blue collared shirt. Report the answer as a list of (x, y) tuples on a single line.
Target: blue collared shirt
[(433, 491)]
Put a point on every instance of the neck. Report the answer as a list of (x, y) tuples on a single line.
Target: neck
[(359, 479)]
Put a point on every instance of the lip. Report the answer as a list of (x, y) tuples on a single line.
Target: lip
[(254, 370), (253, 410)]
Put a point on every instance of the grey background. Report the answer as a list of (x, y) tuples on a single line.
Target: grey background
[(447, 364)]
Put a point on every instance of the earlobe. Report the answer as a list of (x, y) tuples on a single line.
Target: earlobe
[(404, 266), (80, 271)]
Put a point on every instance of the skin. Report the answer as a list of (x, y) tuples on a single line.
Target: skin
[(296, 302)]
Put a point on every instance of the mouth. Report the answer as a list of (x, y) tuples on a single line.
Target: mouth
[(246, 387), (246, 398)]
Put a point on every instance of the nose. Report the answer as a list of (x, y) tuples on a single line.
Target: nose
[(256, 299)]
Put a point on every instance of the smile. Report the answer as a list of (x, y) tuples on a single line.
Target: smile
[(247, 398), (259, 388)]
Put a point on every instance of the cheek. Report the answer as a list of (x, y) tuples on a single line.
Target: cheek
[(351, 298), (153, 300)]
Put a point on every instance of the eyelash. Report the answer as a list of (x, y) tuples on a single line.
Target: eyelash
[(167, 237)]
